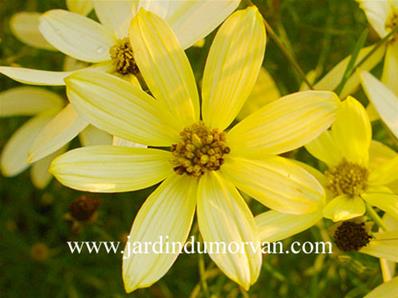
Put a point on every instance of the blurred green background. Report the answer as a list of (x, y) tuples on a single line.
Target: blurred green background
[(34, 258)]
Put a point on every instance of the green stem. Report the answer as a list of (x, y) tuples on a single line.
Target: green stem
[(202, 273), (372, 213)]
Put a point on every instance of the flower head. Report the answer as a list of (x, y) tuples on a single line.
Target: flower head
[(191, 149)]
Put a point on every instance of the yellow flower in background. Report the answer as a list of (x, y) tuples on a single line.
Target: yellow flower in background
[(383, 99), (349, 179), (106, 43), (43, 105), (206, 164)]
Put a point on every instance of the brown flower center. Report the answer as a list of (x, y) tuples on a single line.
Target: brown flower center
[(201, 149), (347, 178), (123, 58), (351, 236)]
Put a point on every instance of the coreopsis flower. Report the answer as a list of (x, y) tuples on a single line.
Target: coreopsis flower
[(106, 43), (349, 179), (383, 99), (199, 162), (45, 107)]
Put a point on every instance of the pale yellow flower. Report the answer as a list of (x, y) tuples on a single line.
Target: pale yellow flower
[(207, 163)]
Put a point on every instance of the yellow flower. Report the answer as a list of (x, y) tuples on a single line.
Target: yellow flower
[(349, 179), (207, 163), (46, 108), (383, 99), (106, 43)]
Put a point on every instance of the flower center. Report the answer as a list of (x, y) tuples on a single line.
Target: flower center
[(351, 236), (347, 178), (123, 58), (391, 23), (201, 149)]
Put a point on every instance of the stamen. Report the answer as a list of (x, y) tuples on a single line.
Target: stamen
[(351, 236), (347, 178), (201, 149), (123, 58)]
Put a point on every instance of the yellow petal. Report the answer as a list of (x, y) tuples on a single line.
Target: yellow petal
[(191, 20), (264, 92), (344, 208), (14, 158), (372, 113), (26, 101), (388, 202), (125, 143), (82, 7), (93, 136), (111, 168), (35, 76), (73, 64), (352, 132), (285, 124), (232, 67), (165, 67), (25, 27), (121, 109), (385, 173), (275, 182), (385, 290), (167, 213), (325, 149), (116, 15), (390, 70), (377, 13), (383, 99), (66, 125), (39, 170), (76, 35), (379, 154), (332, 79), (274, 226), (384, 245), (224, 217)]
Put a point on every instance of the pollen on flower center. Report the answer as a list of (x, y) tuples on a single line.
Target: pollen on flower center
[(201, 149), (351, 236), (347, 178), (391, 23), (123, 58)]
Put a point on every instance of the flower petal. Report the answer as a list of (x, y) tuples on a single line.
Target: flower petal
[(274, 226), (390, 70), (39, 171), (35, 76), (385, 245), (82, 7), (344, 208), (264, 92), (76, 35), (14, 158), (167, 214), (385, 173), (224, 217), (191, 20), (325, 149), (377, 13), (111, 168), (332, 79), (385, 290), (352, 132), (25, 27), (26, 101), (285, 124), (164, 66), (276, 182), (66, 125), (232, 67), (379, 154), (115, 14), (388, 202), (124, 143), (93, 136), (384, 100), (120, 108)]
